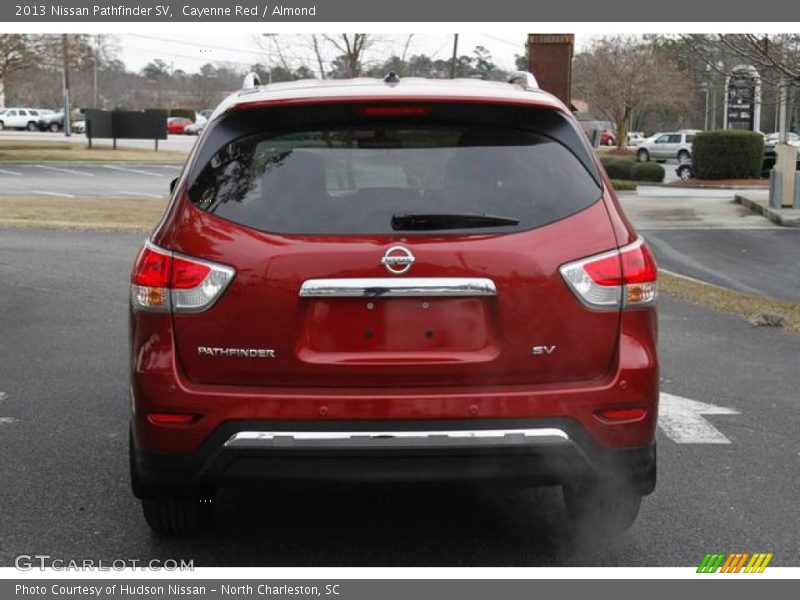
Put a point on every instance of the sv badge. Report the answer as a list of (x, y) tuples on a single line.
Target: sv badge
[(542, 350)]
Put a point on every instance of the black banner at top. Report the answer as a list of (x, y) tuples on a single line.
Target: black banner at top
[(523, 11)]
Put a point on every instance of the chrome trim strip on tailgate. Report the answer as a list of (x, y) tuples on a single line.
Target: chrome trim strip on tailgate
[(407, 287), (388, 439)]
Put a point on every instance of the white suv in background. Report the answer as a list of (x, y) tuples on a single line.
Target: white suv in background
[(21, 118), (665, 146)]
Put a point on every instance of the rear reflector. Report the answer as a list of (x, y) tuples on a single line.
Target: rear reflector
[(171, 418), (162, 281), (622, 414), (395, 111), (623, 278)]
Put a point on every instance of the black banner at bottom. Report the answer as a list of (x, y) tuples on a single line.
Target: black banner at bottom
[(732, 586)]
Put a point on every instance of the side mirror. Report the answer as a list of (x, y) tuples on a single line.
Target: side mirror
[(172, 185)]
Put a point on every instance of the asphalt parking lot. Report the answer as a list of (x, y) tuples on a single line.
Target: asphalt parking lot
[(173, 142), (63, 438), (703, 234), (69, 180)]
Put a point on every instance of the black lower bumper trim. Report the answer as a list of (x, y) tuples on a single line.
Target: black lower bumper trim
[(551, 461)]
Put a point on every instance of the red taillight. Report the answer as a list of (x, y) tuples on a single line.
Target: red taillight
[(622, 414), (605, 271), (162, 281), (171, 418), (395, 111), (638, 265), (151, 268), (187, 274), (619, 278)]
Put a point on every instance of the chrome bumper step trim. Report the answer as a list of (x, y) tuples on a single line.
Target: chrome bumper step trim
[(389, 439)]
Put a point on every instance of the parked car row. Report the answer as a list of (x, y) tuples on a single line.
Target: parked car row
[(40, 119), (22, 118), (55, 122)]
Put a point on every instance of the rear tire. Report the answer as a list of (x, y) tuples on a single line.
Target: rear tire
[(31, 126), (178, 515), (54, 127), (602, 509), (683, 156), (172, 512), (643, 155), (2, 126)]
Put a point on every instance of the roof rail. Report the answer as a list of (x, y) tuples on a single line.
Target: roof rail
[(251, 81), (524, 79)]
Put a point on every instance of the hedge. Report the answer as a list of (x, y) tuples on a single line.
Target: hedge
[(727, 154), (623, 186), (648, 171), (623, 169), (618, 168)]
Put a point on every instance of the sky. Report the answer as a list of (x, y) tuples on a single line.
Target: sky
[(188, 52)]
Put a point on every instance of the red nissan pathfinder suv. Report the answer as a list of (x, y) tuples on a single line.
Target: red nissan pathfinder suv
[(393, 279)]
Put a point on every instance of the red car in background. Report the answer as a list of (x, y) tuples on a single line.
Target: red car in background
[(178, 124), (379, 280), (607, 139)]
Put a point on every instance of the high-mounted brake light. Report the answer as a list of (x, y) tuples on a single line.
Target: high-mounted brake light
[(623, 278), (162, 281), (395, 111)]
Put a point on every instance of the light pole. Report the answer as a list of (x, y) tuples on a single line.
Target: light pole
[(270, 37), (453, 60), (65, 53)]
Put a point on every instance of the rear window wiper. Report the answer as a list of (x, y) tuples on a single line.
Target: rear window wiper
[(426, 221)]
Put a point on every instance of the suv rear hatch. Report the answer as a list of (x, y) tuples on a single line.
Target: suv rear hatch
[(394, 245)]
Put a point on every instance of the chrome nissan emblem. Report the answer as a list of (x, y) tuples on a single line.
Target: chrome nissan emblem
[(397, 260)]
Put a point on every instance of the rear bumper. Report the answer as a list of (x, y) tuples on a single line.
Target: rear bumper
[(530, 451)]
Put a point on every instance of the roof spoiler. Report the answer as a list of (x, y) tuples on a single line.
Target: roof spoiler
[(524, 79)]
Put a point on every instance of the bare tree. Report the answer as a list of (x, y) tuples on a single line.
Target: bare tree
[(777, 57), (17, 52), (317, 46), (351, 46), (621, 75)]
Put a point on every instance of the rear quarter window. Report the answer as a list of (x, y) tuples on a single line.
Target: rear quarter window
[(354, 179)]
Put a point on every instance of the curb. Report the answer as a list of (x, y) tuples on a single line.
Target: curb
[(707, 187), (84, 163), (786, 217)]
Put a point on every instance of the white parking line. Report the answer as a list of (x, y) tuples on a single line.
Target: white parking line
[(58, 194), (128, 170), (681, 419), (10, 172), (63, 170), (5, 420), (141, 194)]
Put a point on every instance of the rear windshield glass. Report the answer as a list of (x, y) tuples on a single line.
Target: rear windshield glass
[(354, 180)]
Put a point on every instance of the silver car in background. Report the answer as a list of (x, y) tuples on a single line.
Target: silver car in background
[(667, 146)]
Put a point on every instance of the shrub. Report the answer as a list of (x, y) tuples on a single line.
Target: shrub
[(727, 154), (618, 168), (623, 186), (648, 171)]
